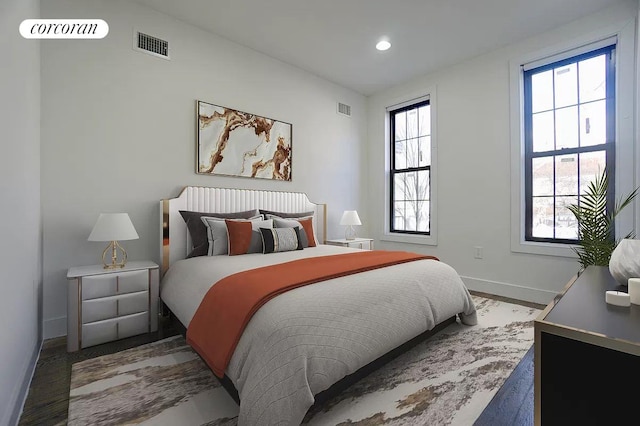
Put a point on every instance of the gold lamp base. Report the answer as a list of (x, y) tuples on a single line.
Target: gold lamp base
[(114, 247)]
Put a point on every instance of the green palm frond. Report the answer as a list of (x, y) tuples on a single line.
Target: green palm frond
[(596, 239)]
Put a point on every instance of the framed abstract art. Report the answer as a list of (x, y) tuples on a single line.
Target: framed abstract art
[(237, 143)]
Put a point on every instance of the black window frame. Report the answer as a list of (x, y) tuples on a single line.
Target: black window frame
[(393, 171), (608, 147)]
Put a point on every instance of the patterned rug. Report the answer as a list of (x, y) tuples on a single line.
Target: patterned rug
[(446, 380)]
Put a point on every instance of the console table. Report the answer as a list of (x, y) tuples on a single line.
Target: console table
[(587, 355)]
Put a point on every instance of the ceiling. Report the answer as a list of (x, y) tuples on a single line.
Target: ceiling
[(335, 39)]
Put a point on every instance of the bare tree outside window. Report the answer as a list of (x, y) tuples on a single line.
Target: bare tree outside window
[(411, 168)]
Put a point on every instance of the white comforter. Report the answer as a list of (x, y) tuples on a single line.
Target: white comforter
[(303, 341)]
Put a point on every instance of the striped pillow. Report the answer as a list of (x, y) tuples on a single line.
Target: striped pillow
[(280, 239)]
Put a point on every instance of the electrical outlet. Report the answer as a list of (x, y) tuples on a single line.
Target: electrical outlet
[(478, 252)]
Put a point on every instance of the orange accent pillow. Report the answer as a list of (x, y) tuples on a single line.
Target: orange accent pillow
[(239, 236), (307, 225)]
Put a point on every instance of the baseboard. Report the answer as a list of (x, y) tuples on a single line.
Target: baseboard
[(21, 397), (513, 291), (55, 327)]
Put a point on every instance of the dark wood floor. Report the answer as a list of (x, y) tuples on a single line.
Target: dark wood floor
[(48, 399), (512, 405)]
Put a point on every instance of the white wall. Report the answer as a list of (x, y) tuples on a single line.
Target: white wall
[(637, 122), (20, 222), (474, 146), (118, 131)]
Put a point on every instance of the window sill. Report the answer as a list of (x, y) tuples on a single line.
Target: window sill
[(427, 240), (544, 249)]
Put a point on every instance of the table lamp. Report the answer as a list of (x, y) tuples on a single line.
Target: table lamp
[(113, 227), (349, 219)]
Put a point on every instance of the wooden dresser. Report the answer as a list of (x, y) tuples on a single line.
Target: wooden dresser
[(587, 356)]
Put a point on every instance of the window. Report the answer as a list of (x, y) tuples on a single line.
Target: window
[(410, 168), (569, 138)]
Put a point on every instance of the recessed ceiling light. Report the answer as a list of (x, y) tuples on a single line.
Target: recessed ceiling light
[(383, 45)]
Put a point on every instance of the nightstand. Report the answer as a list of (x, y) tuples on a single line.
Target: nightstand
[(361, 243), (110, 304)]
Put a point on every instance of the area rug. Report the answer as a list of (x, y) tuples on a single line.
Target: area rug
[(446, 380)]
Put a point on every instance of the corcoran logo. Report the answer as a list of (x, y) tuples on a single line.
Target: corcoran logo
[(64, 28)]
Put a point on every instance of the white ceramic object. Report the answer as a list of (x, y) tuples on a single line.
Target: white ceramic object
[(625, 261), (634, 290), (618, 298)]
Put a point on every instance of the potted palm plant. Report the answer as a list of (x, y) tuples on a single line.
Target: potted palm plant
[(596, 239)]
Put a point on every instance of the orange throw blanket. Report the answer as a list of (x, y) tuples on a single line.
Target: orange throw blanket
[(230, 303)]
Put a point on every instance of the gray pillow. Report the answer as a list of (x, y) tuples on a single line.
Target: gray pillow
[(285, 215), (255, 246), (281, 239), (198, 231), (218, 236), (292, 223)]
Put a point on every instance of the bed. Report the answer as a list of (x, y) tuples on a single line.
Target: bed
[(312, 339)]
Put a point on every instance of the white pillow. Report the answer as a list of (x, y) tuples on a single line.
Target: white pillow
[(218, 236)]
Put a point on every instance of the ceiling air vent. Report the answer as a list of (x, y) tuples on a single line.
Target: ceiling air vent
[(151, 45), (344, 109)]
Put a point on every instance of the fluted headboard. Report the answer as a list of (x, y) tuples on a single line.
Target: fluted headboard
[(175, 242)]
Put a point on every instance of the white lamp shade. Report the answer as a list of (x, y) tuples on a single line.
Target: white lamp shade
[(350, 217), (113, 227)]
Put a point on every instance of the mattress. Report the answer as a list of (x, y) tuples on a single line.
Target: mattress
[(303, 341)]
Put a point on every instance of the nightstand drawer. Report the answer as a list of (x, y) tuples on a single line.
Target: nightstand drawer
[(105, 285), (133, 324), (99, 332), (114, 306), (364, 245), (105, 331), (358, 243)]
